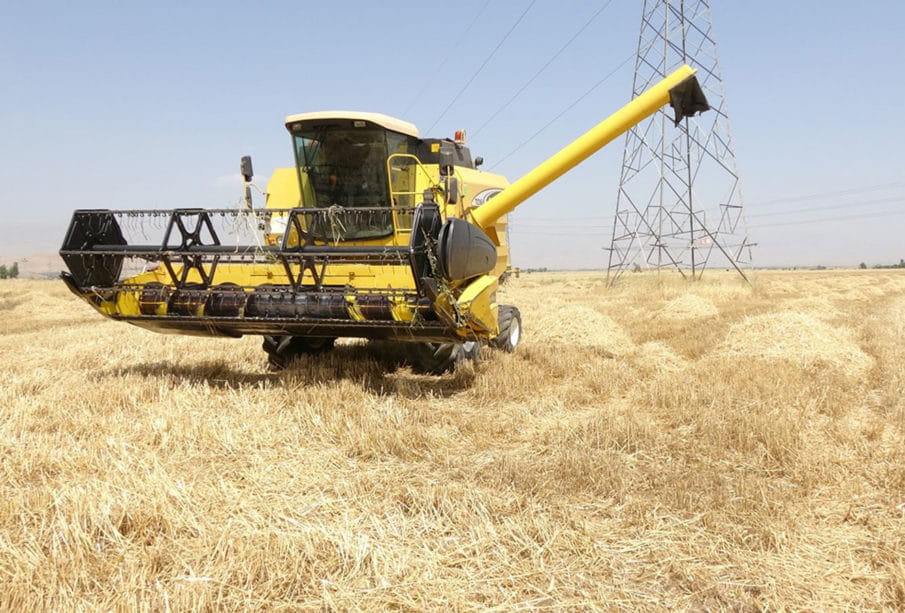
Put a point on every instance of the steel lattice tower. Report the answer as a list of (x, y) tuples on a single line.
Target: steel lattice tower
[(679, 204)]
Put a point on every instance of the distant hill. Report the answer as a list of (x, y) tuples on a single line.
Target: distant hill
[(37, 265)]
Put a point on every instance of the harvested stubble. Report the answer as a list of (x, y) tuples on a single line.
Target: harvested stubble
[(796, 338), (688, 306), (749, 459)]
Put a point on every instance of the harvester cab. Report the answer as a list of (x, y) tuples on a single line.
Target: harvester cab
[(374, 232)]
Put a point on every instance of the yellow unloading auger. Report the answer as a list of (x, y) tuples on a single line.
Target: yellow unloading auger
[(375, 232)]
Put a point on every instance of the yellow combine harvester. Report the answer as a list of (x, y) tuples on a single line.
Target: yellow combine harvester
[(374, 233)]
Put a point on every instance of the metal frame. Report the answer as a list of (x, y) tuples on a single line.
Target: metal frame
[(188, 240), (679, 203), (198, 246), (95, 249)]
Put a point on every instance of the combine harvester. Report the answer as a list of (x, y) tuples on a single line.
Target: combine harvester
[(375, 233)]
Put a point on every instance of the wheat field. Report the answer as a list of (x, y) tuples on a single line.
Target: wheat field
[(660, 445)]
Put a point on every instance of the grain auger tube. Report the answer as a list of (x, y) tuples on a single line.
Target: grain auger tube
[(374, 232)]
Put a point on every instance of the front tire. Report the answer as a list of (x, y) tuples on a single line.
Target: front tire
[(439, 358), (510, 321), (281, 350)]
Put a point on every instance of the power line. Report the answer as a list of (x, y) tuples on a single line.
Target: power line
[(568, 226), (542, 68), (845, 192), (563, 231), (830, 206), (439, 68), (546, 220), (481, 67), (839, 218), (578, 220), (558, 231), (564, 111), (552, 221)]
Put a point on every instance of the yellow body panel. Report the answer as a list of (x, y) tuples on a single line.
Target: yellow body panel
[(477, 305), (354, 277), (409, 179)]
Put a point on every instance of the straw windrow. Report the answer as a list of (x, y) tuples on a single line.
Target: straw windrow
[(619, 460)]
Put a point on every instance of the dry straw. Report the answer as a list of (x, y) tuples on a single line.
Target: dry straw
[(659, 446), (688, 306), (796, 338)]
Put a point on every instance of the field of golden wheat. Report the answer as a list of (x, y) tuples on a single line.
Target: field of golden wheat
[(660, 445)]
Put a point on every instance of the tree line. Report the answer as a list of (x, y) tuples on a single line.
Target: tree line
[(10, 272), (901, 264)]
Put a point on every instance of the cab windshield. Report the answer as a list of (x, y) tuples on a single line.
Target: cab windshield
[(346, 168)]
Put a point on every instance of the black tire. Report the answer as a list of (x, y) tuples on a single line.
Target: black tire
[(281, 350), (439, 358), (510, 320), (471, 350)]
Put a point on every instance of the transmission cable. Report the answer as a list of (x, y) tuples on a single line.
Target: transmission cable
[(452, 51), (542, 68), (574, 221), (481, 67), (558, 232), (823, 219), (603, 232), (564, 111), (830, 206), (844, 192)]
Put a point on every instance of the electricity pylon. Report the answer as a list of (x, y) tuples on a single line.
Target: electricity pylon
[(679, 204)]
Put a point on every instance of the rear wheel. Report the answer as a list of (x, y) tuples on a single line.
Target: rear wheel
[(510, 321), (281, 350), (439, 358)]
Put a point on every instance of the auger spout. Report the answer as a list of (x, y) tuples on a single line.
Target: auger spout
[(680, 89)]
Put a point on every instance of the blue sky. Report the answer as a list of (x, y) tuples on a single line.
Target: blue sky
[(139, 105)]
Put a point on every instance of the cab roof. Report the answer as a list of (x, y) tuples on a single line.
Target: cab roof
[(384, 121)]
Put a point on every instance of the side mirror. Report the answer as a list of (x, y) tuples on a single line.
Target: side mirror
[(446, 160), (478, 161), (245, 168)]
